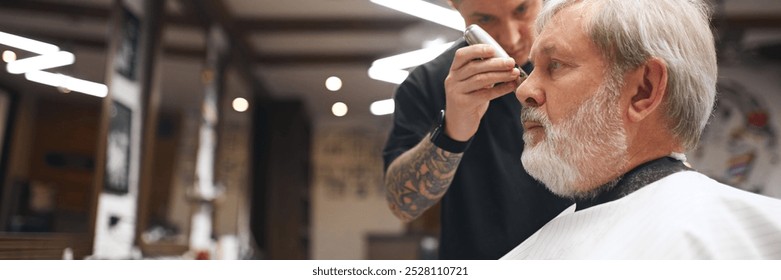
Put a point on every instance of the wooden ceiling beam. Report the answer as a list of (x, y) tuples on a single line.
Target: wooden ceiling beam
[(197, 52), (749, 20), (316, 58), (323, 25), (90, 42), (67, 10), (97, 13), (215, 12), (245, 25)]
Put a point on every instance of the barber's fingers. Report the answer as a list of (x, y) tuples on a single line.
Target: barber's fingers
[(478, 67), (489, 80), (495, 91), (466, 54), (461, 99), (479, 58)]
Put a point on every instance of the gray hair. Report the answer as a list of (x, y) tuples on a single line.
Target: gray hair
[(630, 32)]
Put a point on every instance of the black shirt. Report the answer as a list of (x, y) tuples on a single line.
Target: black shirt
[(492, 204)]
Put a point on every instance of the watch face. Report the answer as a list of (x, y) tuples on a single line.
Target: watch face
[(438, 126)]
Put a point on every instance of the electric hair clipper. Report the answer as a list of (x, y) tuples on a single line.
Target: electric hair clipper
[(474, 34)]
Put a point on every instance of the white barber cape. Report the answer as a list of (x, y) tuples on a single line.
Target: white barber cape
[(685, 215)]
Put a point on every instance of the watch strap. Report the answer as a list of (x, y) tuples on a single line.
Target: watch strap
[(440, 139)]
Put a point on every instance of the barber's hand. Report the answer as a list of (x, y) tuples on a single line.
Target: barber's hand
[(475, 78)]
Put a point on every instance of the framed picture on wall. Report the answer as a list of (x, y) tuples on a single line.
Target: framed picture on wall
[(127, 52), (117, 174)]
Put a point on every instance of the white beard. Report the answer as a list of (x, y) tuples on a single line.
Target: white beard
[(578, 155)]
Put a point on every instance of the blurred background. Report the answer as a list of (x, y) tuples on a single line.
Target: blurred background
[(253, 129)]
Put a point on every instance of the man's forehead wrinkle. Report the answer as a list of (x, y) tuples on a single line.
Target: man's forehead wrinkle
[(548, 42)]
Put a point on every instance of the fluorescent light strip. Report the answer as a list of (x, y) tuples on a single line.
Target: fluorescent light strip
[(383, 107), (26, 44), (390, 75), (427, 11), (390, 69), (413, 58), (41, 62), (68, 82)]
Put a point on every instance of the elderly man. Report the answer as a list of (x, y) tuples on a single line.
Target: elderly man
[(621, 89), (467, 157)]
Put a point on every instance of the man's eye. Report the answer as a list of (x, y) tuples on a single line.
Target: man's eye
[(521, 9), (485, 20), (554, 65)]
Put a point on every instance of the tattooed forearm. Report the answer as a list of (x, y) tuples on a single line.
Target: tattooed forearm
[(417, 179)]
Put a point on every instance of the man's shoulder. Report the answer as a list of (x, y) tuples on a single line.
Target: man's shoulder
[(697, 192), (693, 183), (689, 203), (716, 220)]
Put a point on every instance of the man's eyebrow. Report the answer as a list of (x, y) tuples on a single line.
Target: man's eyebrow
[(547, 50), (523, 4), (479, 14)]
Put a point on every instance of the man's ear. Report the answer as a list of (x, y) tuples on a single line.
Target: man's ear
[(650, 91)]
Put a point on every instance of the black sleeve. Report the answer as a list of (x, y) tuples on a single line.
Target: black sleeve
[(418, 101)]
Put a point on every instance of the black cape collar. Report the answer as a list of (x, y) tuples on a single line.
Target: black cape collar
[(633, 180)]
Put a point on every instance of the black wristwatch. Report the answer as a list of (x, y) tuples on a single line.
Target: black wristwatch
[(442, 141)]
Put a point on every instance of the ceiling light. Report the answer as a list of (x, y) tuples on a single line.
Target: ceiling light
[(333, 83), (413, 58), (41, 62), (9, 56), (68, 82), (427, 11), (382, 107), (390, 75), (240, 104), (26, 44), (339, 109), (434, 42)]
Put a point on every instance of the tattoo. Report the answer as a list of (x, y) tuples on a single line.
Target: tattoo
[(417, 179)]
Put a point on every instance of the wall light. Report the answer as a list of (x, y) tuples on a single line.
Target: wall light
[(240, 104), (333, 83), (382, 107), (9, 56), (339, 109), (26, 44), (40, 62), (427, 11), (68, 82)]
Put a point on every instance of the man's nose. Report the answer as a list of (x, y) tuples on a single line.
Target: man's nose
[(509, 35), (529, 95)]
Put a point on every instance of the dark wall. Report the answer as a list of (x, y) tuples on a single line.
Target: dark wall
[(281, 180)]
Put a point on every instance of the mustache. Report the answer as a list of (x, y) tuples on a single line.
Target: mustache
[(533, 114)]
